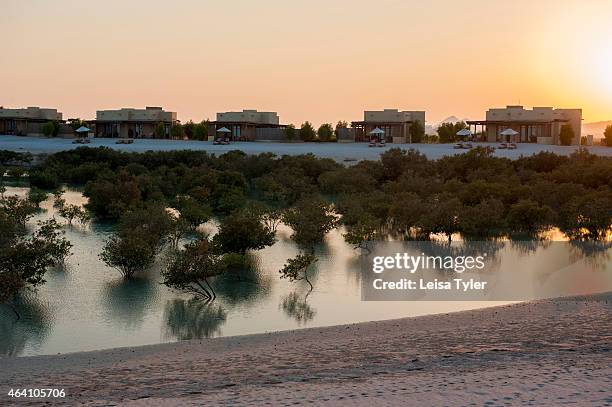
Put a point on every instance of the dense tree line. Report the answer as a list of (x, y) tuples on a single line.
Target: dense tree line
[(159, 200), (403, 193)]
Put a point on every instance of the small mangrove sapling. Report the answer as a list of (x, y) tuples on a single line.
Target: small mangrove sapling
[(296, 269)]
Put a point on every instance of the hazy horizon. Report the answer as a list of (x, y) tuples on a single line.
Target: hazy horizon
[(318, 61)]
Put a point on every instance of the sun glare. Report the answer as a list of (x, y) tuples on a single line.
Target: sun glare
[(583, 55), (601, 59), (606, 68)]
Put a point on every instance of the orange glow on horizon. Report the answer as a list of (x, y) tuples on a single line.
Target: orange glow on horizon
[(311, 60)]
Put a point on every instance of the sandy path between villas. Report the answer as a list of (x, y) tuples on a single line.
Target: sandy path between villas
[(550, 352)]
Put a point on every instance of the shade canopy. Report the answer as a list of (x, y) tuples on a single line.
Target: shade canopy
[(83, 129), (509, 132), (224, 130), (377, 131), (464, 132)]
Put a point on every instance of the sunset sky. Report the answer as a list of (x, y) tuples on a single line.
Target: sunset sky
[(317, 60)]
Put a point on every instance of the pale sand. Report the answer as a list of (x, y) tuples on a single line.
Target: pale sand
[(550, 352), (336, 151)]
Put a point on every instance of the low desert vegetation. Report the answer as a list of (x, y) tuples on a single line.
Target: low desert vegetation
[(607, 140)]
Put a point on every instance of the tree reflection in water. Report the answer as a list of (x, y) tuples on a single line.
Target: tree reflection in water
[(193, 319), (128, 301), (247, 287), (597, 254), (29, 331), (528, 245), (297, 308)]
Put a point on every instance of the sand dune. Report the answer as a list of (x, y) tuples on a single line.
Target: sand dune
[(541, 353)]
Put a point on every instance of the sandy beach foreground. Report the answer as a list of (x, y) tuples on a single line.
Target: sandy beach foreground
[(547, 352)]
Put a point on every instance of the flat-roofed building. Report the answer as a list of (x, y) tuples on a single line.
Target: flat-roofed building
[(538, 125), (395, 124), (29, 121), (247, 125), (134, 123)]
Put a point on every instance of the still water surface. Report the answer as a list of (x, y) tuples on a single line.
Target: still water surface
[(88, 306)]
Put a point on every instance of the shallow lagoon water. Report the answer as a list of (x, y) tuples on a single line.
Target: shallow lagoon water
[(88, 306)]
